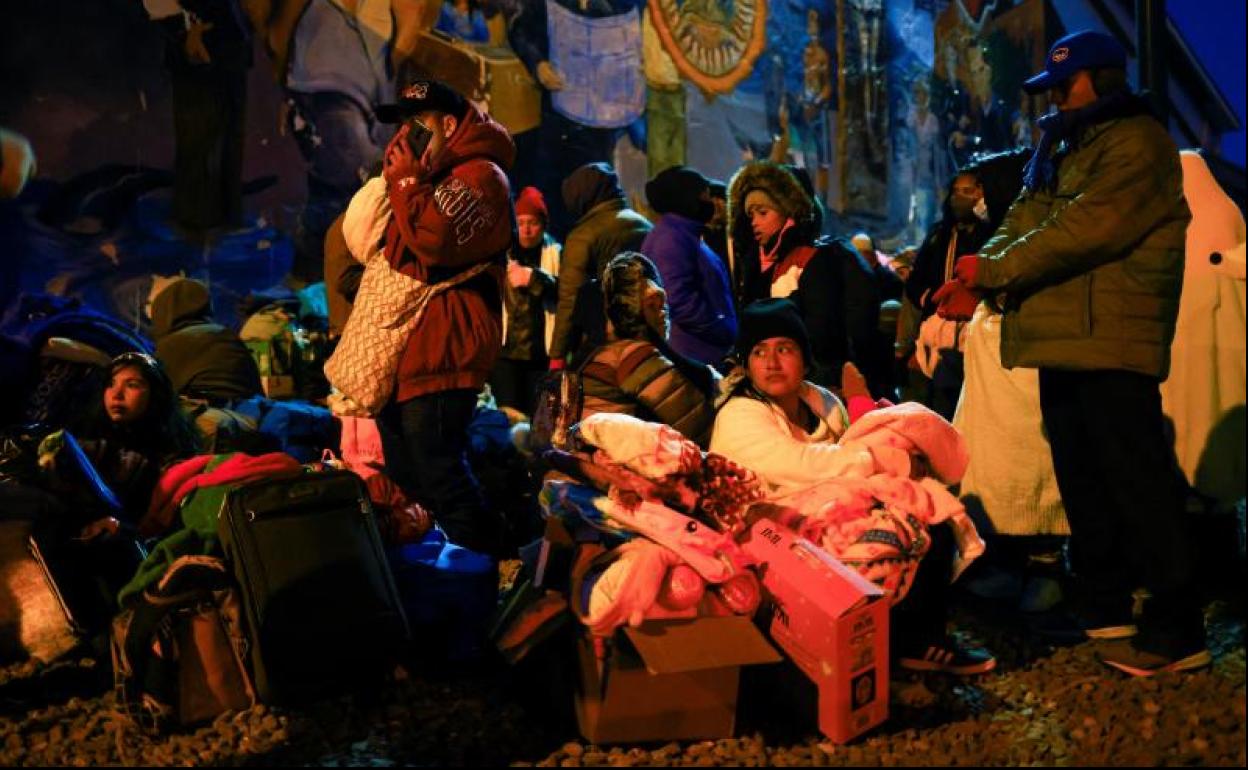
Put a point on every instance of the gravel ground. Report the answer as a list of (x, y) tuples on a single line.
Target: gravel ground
[(1042, 706)]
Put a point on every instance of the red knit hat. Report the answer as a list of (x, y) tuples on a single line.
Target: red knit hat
[(531, 202)]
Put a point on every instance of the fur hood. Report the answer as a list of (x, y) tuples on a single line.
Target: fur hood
[(779, 183)]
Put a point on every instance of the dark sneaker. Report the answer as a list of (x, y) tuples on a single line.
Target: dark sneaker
[(1110, 632), (1066, 626), (1125, 656), (950, 657)]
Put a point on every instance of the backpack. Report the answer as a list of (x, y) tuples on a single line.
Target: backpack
[(179, 651), (283, 351)]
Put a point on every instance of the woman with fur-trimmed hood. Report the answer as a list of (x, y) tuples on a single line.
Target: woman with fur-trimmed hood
[(777, 250)]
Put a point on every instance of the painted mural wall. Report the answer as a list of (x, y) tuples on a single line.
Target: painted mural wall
[(880, 100)]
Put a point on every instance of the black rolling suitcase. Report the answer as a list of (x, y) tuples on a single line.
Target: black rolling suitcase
[(319, 602)]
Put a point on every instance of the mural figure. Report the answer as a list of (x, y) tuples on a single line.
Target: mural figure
[(208, 52), (812, 128), (928, 168), (714, 43), (868, 16), (863, 141), (990, 116), (586, 55), (666, 118), (332, 59)]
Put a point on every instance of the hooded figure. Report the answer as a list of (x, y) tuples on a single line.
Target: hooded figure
[(203, 359), (777, 251), (699, 293), (604, 226), (636, 372), (453, 214)]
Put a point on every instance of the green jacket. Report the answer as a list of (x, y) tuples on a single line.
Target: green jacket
[(606, 229), (1090, 273)]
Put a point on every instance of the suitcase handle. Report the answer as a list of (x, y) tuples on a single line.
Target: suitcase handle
[(365, 508), (300, 490)]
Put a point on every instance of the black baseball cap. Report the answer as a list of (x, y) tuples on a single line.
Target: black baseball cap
[(422, 96)]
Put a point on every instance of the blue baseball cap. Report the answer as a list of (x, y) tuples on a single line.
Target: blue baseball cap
[(1083, 50)]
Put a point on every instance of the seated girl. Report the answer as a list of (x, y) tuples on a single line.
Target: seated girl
[(101, 473), (131, 433), (785, 429)]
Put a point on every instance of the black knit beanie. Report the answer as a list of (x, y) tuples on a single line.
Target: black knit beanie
[(678, 190), (769, 318)]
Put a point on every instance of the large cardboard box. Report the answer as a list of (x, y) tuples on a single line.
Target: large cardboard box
[(666, 680), (831, 622)]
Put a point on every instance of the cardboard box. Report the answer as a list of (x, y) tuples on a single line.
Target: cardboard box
[(666, 680), (831, 622)]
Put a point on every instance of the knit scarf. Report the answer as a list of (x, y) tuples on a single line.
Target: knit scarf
[(768, 257), (1041, 170)]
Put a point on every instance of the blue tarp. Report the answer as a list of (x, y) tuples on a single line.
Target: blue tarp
[(105, 258)]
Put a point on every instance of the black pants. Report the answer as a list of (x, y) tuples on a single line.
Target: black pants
[(919, 619), (209, 104), (566, 146), (945, 387), (514, 383), (435, 434), (1124, 499)]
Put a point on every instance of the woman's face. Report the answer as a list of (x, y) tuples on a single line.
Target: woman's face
[(776, 367), (654, 309), (127, 395), (765, 217), (764, 221), (530, 229)]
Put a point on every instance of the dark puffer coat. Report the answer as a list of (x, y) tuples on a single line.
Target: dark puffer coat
[(1090, 272), (632, 377)]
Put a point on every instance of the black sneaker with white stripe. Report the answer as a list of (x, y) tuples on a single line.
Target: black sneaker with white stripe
[(950, 657)]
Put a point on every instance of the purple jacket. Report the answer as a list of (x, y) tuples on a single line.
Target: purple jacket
[(699, 294)]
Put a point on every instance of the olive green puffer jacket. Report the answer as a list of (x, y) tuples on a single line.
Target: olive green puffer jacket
[(1090, 273)]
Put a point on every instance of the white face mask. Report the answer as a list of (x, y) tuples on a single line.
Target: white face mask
[(980, 210)]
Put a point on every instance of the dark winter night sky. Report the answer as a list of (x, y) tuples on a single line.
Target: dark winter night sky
[(1214, 29)]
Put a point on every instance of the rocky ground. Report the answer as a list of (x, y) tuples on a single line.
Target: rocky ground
[(1044, 705)]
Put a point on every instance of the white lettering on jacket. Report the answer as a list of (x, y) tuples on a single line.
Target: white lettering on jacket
[(465, 207)]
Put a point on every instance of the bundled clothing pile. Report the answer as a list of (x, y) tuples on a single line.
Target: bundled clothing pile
[(875, 517), (667, 517)]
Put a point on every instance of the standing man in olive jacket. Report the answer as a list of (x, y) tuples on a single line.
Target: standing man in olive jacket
[(1088, 266)]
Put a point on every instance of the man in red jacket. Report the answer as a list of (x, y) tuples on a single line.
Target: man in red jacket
[(452, 214)]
